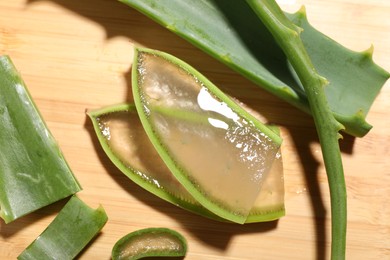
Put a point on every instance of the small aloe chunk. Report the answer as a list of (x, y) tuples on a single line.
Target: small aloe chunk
[(125, 142), (29, 156), (214, 148), (150, 242), (72, 229)]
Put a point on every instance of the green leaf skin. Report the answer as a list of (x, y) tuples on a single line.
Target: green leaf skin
[(71, 230), (360, 77), (30, 158), (150, 242), (287, 35), (230, 32), (125, 142), (165, 91)]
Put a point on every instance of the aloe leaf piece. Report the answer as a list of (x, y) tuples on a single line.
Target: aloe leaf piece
[(150, 242), (70, 231), (125, 142), (29, 156), (216, 150), (230, 32)]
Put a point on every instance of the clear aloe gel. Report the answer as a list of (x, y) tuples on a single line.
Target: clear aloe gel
[(150, 242), (217, 151), (125, 142)]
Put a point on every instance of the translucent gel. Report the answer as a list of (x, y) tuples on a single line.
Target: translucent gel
[(149, 244), (224, 156), (127, 139)]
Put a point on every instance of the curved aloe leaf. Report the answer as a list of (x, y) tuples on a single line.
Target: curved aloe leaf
[(231, 32), (125, 142), (71, 230), (211, 145), (29, 156), (150, 242)]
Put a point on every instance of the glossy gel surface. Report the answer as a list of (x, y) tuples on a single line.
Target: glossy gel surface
[(212, 148), (125, 142), (150, 242), (127, 139)]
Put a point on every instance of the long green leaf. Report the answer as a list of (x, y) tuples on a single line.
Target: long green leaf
[(231, 32), (33, 171)]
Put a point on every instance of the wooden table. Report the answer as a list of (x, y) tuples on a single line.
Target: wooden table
[(75, 55)]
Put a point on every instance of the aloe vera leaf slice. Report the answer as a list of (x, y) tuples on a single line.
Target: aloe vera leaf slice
[(234, 35), (125, 142), (29, 156), (219, 150), (70, 231), (150, 242)]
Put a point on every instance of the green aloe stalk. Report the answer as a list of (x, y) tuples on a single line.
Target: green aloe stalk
[(29, 156), (71, 230), (230, 32), (288, 37)]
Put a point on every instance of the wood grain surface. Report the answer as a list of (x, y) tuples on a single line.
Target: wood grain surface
[(76, 55)]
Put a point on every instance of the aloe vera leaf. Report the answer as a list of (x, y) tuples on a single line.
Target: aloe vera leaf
[(287, 35), (70, 231), (361, 78), (207, 159), (29, 156), (230, 32), (150, 242), (125, 142)]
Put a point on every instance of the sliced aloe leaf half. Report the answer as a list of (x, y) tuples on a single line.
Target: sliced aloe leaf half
[(219, 152), (150, 242), (29, 156), (125, 142), (71, 230)]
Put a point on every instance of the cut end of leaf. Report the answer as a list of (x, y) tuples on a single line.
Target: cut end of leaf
[(69, 233)]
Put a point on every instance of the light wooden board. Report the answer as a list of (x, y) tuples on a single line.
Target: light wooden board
[(75, 55)]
